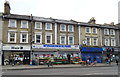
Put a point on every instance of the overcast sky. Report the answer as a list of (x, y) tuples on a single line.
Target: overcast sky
[(104, 11)]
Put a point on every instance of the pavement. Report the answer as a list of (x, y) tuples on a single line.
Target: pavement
[(25, 67)]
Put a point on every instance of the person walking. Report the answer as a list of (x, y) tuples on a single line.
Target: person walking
[(116, 61), (94, 63)]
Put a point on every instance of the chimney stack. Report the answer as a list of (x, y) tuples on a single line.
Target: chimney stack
[(7, 7), (92, 20)]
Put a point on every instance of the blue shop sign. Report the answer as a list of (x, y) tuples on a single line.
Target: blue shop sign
[(64, 46), (91, 49)]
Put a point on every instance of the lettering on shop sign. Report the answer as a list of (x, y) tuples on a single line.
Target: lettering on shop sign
[(64, 46), (16, 47)]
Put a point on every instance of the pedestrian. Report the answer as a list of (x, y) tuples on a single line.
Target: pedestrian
[(89, 60), (116, 61), (94, 63)]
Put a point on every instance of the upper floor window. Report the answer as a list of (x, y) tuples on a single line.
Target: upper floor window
[(38, 25), (24, 24), (94, 30), (48, 39), (113, 42), (48, 26), (112, 32), (106, 31), (70, 28), (12, 23), (107, 42), (24, 37), (12, 37), (95, 41), (88, 30), (88, 41), (70, 39), (38, 38), (62, 39), (62, 27)]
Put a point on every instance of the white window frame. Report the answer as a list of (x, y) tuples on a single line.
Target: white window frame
[(40, 37), (64, 40), (107, 31), (69, 28), (46, 38), (69, 40), (96, 42), (15, 25), (26, 37), (89, 30), (22, 24), (89, 41), (9, 37), (46, 26), (112, 30), (39, 25), (112, 42), (108, 42), (61, 27), (95, 30)]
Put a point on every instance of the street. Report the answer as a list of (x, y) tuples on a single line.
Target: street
[(86, 71)]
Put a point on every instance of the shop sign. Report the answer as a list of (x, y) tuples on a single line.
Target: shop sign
[(57, 46), (91, 49), (13, 47)]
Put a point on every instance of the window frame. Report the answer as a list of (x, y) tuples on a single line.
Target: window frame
[(107, 31), (89, 30), (40, 38), (72, 40), (14, 37), (46, 26), (95, 30), (89, 41), (96, 42), (15, 24), (108, 42), (46, 38), (22, 38), (112, 42), (112, 32), (39, 25), (22, 24), (64, 40), (69, 28), (61, 27)]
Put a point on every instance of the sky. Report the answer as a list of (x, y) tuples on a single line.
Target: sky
[(104, 11)]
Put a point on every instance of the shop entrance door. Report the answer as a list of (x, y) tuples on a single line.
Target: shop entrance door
[(26, 59)]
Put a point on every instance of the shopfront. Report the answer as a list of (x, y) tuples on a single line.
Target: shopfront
[(90, 52), (16, 54), (58, 51)]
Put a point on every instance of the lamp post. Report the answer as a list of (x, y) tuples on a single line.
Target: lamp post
[(31, 35)]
